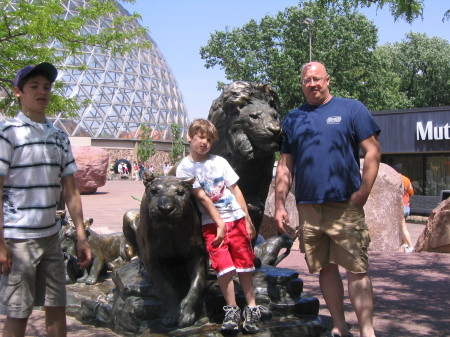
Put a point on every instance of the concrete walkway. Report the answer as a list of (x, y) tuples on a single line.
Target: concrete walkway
[(411, 290)]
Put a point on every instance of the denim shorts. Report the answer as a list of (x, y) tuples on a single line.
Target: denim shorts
[(406, 211), (37, 276), (334, 232)]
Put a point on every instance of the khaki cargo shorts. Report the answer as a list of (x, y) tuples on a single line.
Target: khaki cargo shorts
[(37, 277), (334, 232)]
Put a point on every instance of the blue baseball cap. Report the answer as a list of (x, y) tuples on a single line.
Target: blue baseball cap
[(45, 68)]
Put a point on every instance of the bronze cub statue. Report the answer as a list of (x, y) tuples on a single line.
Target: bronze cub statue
[(268, 251), (106, 249), (73, 271), (129, 227), (171, 247)]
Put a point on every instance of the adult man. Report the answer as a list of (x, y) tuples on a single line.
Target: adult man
[(36, 163), (322, 139)]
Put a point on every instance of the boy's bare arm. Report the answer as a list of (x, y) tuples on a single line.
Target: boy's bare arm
[(73, 201), (5, 256), (241, 201), (200, 195)]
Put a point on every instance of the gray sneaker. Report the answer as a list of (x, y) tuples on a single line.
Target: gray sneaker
[(251, 319), (232, 318)]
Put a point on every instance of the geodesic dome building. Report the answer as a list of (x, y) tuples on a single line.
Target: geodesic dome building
[(122, 92)]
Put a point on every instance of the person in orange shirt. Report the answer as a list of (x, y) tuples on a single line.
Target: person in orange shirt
[(408, 191)]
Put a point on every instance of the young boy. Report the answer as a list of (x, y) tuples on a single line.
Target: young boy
[(36, 163), (227, 227)]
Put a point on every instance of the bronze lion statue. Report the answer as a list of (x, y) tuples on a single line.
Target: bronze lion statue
[(246, 116), (171, 248)]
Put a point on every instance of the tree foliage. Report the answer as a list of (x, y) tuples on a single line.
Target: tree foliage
[(146, 148), (274, 49), (177, 151), (422, 67), (33, 31), (408, 10)]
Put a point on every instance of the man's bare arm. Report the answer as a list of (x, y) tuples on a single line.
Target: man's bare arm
[(372, 156), (283, 183)]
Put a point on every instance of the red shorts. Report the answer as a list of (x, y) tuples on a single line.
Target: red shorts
[(236, 252)]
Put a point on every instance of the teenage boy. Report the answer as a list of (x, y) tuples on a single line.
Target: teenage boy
[(36, 164), (226, 225)]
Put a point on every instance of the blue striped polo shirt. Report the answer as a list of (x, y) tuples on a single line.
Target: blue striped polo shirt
[(33, 158)]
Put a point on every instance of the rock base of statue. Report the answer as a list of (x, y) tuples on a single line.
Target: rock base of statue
[(126, 303)]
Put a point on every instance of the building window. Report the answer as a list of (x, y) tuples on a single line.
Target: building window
[(437, 174), (429, 174)]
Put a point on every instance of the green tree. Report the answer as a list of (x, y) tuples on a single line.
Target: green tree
[(36, 31), (177, 152), (146, 148), (408, 10), (421, 65), (381, 89), (274, 49)]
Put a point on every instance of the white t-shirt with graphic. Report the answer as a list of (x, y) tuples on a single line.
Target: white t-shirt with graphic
[(214, 175)]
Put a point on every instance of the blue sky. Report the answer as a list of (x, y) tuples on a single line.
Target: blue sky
[(181, 27)]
